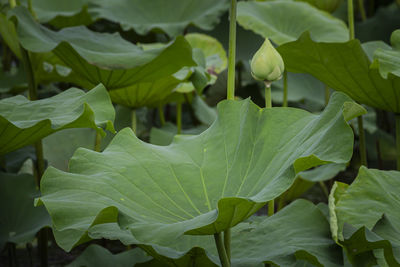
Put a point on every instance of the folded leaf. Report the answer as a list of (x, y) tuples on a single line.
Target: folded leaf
[(198, 185), (23, 122), (371, 203)]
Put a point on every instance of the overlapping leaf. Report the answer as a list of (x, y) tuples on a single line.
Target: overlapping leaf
[(300, 229), (285, 21), (199, 184), (106, 58), (368, 210), (172, 18), (19, 219), (97, 256), (23, 122), (344, 67)]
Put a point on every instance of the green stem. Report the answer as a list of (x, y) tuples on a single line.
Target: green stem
[(362, 10), (161, 115), (268, 100), (324, 188), (227, 243), (133, 120), (327, 94), (268, 104), (97, 143), (39, 166), (232, 52), (223, 257), (179, 117), (361, 135), (363, 147), (398, 139), (30, 8), (350, 16), (271, 207), (285, 90)]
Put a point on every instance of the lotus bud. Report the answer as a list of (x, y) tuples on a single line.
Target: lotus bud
[(267, 64)]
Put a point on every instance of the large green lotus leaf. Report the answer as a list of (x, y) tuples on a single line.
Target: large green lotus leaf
[(171, 17), (298, 232), (23, 122), (285, 21), (102, 57), (19, 219), (344, 67), (97, 256), (198, 185)]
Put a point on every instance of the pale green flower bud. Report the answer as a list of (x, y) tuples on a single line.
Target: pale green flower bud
[(267, 64)]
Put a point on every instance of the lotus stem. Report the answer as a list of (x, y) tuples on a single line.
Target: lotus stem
[(223, 257), (161, 115), (361, 135), (39, 165), (227, 243), (133, 120), (285, 89), (97, 143), (363, 147), (324, 188), (327, 94), (271, 207), (268, 104), (362, 10), (398, 140), (268, 100), (350, 17), (179, 117), (232, 52)]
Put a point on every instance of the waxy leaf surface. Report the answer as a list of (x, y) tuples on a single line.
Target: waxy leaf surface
[(285, 21), (344, 67), (198, 185), (23, 122), (107, 58), (19, 219)]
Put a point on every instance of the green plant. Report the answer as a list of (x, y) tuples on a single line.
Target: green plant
[(162, 143)]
